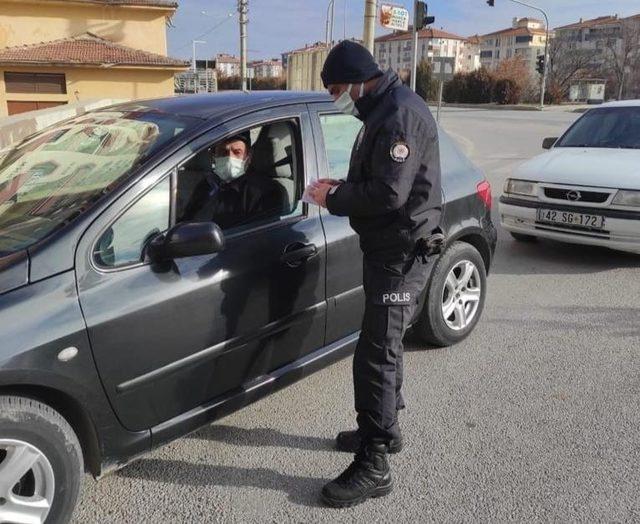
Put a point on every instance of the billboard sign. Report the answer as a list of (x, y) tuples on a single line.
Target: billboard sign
[(394, 17)]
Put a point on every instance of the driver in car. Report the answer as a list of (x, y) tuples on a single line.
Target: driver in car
[(233, 194)]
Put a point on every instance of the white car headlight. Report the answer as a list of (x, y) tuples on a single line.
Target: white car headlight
[(627, 198), (520, 187)]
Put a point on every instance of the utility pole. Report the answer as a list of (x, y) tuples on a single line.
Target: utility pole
[(370, 10), (543, 76), (414, 47), (243, 10)]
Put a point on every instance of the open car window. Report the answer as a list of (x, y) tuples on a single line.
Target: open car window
[(265, 186)]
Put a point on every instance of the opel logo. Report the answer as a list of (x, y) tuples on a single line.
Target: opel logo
[(574, 196)]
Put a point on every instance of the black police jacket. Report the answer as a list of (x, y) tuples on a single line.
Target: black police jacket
[(392, 194)]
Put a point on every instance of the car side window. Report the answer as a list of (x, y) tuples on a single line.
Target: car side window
[(248, 178), (340, 133), (123, 242)]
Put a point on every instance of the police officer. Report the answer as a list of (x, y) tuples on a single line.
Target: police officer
[(392, 197)]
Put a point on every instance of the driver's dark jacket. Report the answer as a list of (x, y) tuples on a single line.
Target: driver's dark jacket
[(247, 199), (392, 203)]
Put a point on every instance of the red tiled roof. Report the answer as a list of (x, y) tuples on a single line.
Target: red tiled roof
[(85, 49), (601, 20), (170, 4), (516, 31), (474, 40), (423, 33), (310, 47)]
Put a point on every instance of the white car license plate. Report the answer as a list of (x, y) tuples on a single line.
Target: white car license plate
[(569, 218)]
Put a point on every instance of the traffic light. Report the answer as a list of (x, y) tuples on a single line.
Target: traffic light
[(422, 18), (492, 3), (540, 64)]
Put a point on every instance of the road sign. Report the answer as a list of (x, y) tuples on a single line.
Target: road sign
[(394, 17), (443, 68)]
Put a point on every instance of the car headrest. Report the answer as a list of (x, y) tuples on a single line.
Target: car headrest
[(272, 152)]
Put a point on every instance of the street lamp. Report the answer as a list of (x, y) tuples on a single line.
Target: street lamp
[(543, 81), (329, 24), (193, 63)]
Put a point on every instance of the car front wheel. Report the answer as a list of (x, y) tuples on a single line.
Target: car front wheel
[(455, 296), (41, 463)]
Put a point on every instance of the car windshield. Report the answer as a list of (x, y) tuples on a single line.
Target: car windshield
[(53, 176), (611, 127)]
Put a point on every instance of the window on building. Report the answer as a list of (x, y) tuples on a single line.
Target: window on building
[(524, 39), (35, 83), (497, 54), (486, 54)]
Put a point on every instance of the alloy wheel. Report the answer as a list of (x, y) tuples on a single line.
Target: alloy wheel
[(461, 295), (27, 483)]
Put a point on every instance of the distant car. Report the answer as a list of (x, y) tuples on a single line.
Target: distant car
[(586, 189), (124, 325)]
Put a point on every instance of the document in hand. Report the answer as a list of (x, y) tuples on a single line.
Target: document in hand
[(306, 197)]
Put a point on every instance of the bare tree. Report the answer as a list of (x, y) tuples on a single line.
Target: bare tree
[(566, 65), (622, 55)]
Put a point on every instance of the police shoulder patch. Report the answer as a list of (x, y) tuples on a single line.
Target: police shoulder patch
[(400, 151)]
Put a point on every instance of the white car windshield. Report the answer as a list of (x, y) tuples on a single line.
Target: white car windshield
[(55, 175), (607, 127)]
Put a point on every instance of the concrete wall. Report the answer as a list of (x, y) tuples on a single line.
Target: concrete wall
[(95, 83), (15, 128), (29, 21)]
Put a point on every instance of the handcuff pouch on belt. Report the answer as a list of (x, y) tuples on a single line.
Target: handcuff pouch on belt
[(430, 246)]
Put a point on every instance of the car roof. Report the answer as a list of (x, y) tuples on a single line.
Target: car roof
[(209, 105), (622, 103)]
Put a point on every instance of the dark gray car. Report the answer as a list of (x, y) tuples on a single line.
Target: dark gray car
[(125, 325)]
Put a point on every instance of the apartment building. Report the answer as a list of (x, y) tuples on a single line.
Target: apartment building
[(267, 68), (470, 59), (599, 34), (525, 39), (304, 66), (395, 49), (227, 65)]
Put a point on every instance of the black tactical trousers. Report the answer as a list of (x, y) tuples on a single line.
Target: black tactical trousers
[(392, 292)]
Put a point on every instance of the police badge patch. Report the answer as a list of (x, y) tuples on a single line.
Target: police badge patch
[(400, 152)]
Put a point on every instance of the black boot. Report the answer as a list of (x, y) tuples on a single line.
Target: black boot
[(350, 442), (368, 476)]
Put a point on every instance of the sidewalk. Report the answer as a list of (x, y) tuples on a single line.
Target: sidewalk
[(568, 108)]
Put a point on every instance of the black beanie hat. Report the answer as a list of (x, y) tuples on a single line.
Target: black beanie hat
[(349, 63)]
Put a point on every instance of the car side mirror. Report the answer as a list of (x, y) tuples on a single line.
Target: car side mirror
[(548, 143), (188, 239)]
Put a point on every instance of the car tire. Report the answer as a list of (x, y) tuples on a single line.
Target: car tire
[(520, 237), (432, 327), (38, 438)]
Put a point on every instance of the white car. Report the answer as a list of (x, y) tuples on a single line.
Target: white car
[(586, 188)]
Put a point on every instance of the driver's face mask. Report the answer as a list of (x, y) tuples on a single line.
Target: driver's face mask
[(346, 104), (229, 168)]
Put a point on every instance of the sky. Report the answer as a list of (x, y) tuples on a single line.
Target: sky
[(276, 26)]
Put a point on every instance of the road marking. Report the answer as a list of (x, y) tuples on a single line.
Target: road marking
[(466, 144)]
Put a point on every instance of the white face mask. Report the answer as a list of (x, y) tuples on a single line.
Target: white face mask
[(346, 104), (229, 168)]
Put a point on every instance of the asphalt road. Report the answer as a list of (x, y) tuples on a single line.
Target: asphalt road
[(534, 417)]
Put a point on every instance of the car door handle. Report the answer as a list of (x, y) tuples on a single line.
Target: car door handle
[(297, 253)]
